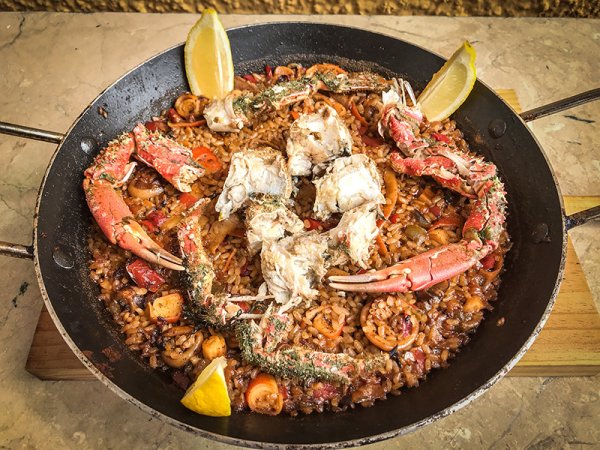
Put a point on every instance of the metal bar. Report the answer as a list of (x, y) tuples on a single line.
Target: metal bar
[(16, 250), (31, 133), (574, 220), (560, 105)]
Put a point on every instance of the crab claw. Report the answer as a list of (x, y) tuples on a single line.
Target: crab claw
[(116, 222), (416, 273)]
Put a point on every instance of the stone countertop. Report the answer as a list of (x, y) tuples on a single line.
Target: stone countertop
[(52, 65)]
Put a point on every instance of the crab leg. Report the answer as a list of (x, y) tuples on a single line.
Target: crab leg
[(236, 111), (116, 221), (110, 170), (468, 175), (171, 160)]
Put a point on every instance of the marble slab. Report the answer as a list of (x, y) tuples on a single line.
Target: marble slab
[(52, 65)]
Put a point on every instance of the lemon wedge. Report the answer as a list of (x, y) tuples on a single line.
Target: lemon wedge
[(208, 394), (207, 53), (450, 86)]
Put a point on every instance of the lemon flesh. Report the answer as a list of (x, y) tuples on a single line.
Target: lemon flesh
[(208, 394), (207, 54), (450, 86)]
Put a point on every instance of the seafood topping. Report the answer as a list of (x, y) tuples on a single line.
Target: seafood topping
[(268, 220), (292, 266), (251, 172), (348, 182), (315, 139), (354, 234)]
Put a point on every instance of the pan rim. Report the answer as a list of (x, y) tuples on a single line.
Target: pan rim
[(256, 444)]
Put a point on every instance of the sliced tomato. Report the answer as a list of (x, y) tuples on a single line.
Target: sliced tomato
[(263, 395), (207, 159), (144, 276), (188, 199)]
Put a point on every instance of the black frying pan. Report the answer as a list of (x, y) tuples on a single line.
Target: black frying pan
[(534, 266)]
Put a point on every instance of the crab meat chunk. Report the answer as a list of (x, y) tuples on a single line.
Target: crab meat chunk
[(348, 182), (222, 116), (315, 139), (251, 172), (268, 220), (354, 234), (293, 266)]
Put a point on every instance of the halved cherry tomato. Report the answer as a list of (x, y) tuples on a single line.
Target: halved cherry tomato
[(207, 159), (144, 276), (441, 137), (263, 395), (188, 199)]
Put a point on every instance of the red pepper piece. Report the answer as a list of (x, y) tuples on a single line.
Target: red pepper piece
[(269, 72), (371, 141), (249, 77), (144, 276), (188, 199), (157, 125), (488, 262), (156, 217), (451, 220), (174, 116), (436, 211), (148, 225), (395, 218), (441, 138)]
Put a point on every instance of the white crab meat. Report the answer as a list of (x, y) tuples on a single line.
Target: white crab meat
[(221, 116), (354, 234), (262, 171), (315, 139), (268, 220), (293, 266), (348, 182)]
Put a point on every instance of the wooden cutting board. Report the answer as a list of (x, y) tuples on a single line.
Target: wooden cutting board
[(569, 344)]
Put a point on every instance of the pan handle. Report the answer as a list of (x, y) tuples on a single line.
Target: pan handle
[(560, 105), (7, 248), (574, 220), (582, 217), (16, 250), (31, 133)]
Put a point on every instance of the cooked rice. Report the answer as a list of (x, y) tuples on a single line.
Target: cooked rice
[(444, 323)]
